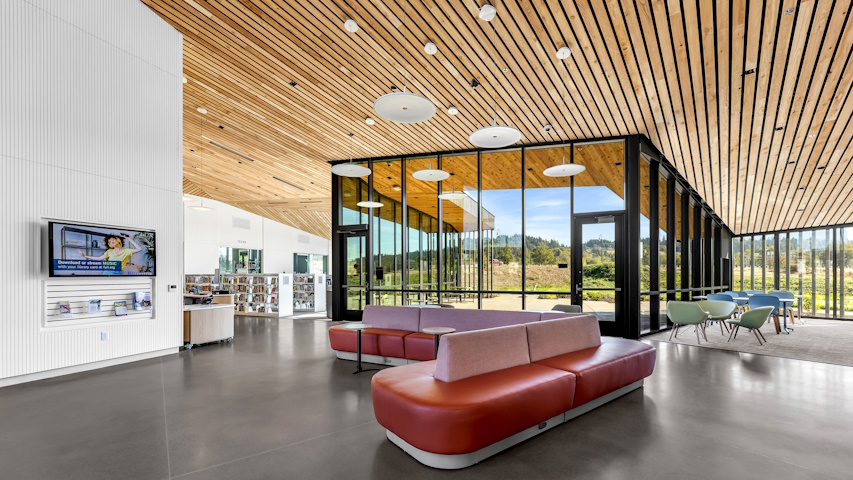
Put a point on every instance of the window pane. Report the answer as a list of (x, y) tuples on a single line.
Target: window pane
[(547, 205), (662, 246), (758, 263), (845, 276), (679, 242), (783, 262), (388, 229), (422, 200), (601, 187), (769, 263), (352, 191), (460, 231), (808, 271), (501, 220), (737, 265), (645, 244)]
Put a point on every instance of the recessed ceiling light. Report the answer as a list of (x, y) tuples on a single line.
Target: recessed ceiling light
[(547, 128), (564, 53), (202, 110), (504, 69), (430, 48), (351, 26), (452, 111), (789, 11), (396, 188), (487, 12), (369, 121), (812, 135)]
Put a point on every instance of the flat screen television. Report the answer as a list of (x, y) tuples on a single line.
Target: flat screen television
[(80, 250)]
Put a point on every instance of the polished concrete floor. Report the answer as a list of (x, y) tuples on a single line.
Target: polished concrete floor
[(276, 404)]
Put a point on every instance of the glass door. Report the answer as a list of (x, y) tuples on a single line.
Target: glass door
[(597, 263), (355, 286)]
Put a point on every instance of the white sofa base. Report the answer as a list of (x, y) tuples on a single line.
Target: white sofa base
[(454, 462), (376, 359)]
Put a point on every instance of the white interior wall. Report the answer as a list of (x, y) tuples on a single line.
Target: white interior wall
[(227, 226), (90, 131)]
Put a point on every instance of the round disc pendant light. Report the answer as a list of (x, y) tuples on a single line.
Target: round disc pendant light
[(564, 170), (404, 107), (370, 204), (495, 136), (431, 174), (350, 170)]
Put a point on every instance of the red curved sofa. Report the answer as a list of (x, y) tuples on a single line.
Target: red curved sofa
[(396, 336), (491, 389)]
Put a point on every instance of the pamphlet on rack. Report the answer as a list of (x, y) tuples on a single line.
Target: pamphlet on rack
[(94, 306), (142, 300), (121, 308), (64, 309)]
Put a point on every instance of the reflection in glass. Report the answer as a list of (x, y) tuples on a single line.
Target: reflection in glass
[(679, 244), (663, 264), (645, 244), (422, 251), (598, 250), (601, 187), (460, 238), (353, 190), (501, 221)]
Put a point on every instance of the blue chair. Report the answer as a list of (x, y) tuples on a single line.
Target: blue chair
[(787, 296), (740, 303), (754, 292), (764, 300)]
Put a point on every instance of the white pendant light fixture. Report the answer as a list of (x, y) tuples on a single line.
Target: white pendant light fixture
[(370, 204), (187, 198), (452, 194), (404, 107), (431, 174), (201, 207), (494, 136), (350, 169), (564, 169)]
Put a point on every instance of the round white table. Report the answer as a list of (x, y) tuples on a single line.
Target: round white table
[(700, 297), (358, 327), (437, 332)]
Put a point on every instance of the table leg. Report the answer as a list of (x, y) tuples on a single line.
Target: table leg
[(785, 321), (436, 346), (358, 368)]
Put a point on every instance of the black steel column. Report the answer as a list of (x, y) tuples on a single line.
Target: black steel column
[(631, 239), (654, 245)]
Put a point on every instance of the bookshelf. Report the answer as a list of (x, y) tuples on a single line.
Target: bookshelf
[(202, 283), (261, 295), (309, 292)]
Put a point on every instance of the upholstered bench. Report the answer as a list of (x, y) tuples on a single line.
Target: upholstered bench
[(493, 388)]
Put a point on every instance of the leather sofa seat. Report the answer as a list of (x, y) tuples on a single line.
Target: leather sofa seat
[(466, 415), (386, 342), (616, 363), (420, 346)]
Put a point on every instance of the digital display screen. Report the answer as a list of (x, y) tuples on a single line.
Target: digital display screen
[(78, 250)]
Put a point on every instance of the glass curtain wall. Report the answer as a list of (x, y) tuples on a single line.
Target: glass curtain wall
[(506, 241), (816, 263)]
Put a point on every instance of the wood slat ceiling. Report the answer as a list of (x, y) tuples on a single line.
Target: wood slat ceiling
[(749, 100)]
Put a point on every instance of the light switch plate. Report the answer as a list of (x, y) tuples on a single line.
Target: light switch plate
[(105, 336)]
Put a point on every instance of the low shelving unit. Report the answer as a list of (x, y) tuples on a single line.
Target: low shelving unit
[(259, 294), (309, 292)]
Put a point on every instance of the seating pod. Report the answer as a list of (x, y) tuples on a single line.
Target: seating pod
[(463, 408), (421, 346), (491, 389), (382, 344)]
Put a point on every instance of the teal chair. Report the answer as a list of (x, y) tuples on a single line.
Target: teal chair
[(686, 313), (720, 307), (752, 320), (784, 294)]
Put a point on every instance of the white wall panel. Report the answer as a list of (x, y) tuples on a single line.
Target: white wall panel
[(90, 131), (205, 232)]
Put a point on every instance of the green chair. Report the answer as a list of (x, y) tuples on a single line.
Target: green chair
[(753, 320), (719, 310), (567, 308), (686, 313)]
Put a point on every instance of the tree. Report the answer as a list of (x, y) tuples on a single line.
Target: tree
[(505, 254), (542, 255)]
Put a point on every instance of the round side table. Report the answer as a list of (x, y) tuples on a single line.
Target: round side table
[(358, 327)]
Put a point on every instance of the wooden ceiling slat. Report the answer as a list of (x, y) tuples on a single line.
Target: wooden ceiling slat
[(669, 69)]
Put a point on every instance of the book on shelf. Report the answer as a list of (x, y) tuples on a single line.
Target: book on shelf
[(95, 306)]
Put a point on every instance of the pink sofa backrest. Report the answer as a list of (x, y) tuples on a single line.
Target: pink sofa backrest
[(550, 338), (467, 320), (396, 318), (466, 354)]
